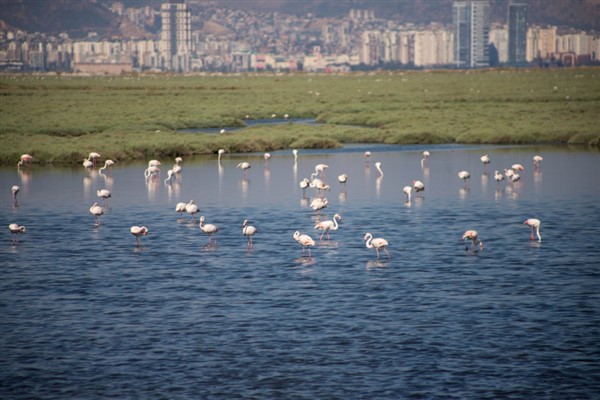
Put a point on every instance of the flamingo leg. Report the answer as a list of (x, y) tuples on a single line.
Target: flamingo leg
[(531, 237), (328, 237), (377, 251), (387, 252), (322, 233)]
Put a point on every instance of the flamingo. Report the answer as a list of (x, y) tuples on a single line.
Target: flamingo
[(87, 163), (515, 177), (536, 161), (15, 229), (534, 224), (267, 157), (96, 211), (245, 167), (518, 167), (378, 166), (248, 230), (286, 116), (318, 184), (208, 229), (93, 156), (220, 154), (304, 183), (472, 236), (295, 153), (464, 175), (107, 164), (377, 244), (509, 172), (170, 175), (485, 159), (153, 170), (222, 131), (180, 208), (25, 158), (419, 186), (318, 204), (191, 208), (138, 232), (498, 176), (367, 156), (343, 178), (15, 190), (425, 158), (320, 169), (305, 241), (105, 194), (176, 167), (408, 191), (328, 225)]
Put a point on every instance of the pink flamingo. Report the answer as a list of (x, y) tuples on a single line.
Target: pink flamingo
[(472, 236), (328, 225), (419, 186), (425, 158), (25, 159), (377, 244), (535, 225), (245, 166), (192, 208), (305, 241), (138, 232)]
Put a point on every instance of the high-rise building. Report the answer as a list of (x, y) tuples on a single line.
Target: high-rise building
[(175, 36), (517, 33), (471, 21)]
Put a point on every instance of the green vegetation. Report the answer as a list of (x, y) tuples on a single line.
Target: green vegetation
[(63, 118)]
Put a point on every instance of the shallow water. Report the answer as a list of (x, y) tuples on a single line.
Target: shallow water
[(84, 313)]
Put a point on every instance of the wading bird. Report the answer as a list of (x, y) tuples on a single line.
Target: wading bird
[(107, 164), (15, 190), (536, 161), (249, 231), (245, 167), (93, 156), (180, 208), (498, 176), (329, 225), (342, 179), (425, 158), (305, 241), (408, 191), (138, 232), (318, 204), (220, 154), (485, 159), (377, 244), (16, 230), (472, 236), (304, 183), (209, 230), (25, 159), (535, 225), (378, 166), (464, 175), (419, 186), (96, 211), (192, 208), (105, 194), (87, 163)]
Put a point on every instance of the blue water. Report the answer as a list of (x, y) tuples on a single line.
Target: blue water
[(85, 313)]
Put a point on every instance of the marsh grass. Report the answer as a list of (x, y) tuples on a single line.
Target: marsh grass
[(63, 118)]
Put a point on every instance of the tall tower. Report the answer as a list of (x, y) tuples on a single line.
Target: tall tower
[(175, 36), (471, 33), (517, 33)]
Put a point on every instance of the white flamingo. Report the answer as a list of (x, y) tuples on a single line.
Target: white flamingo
[(378, 166), (329, 225), (209, 230), (220, 154), (304, 183), (138, 232), (105, 194), (96, 211), (367, 155), (15, 190), (192, 208), (93, 156), (249, 231), (464, 175), (107, 165), (170, 175), (342, 179), (295, 153), (485, 159), (16, 230), (535, 225), (377, 244), (87, 163), (536, 161), (318, 204), (419, 186), (245, 166), (305, 241), (408, 191), (498, 176), (320, 169), (425, 158), (180, 208)]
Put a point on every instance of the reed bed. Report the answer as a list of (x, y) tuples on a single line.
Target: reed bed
[(60, 119)]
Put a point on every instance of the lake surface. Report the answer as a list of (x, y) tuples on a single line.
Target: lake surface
[(85, 313)]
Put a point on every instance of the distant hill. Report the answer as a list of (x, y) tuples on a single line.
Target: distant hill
[(81, 16)]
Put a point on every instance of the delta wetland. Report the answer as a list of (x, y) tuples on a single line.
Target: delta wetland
[(61, 118)]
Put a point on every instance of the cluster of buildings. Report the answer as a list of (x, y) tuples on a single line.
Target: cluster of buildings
[(237, 41)]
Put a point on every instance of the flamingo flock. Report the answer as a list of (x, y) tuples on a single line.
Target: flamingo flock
[(318, 203)]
